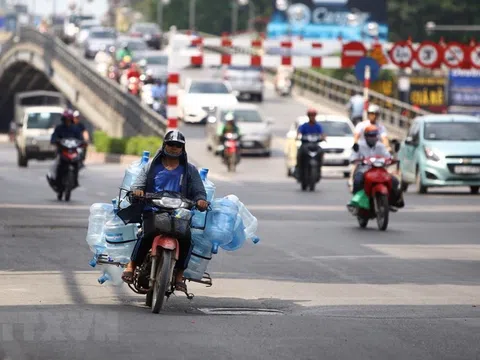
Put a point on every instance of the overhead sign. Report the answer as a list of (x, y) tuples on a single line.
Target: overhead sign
[(429, 54), (352, 52), (474, 56), (454, 55), (402, 54), (362, 64)]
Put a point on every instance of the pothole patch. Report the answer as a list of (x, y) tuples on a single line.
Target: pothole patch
[(240, 311)]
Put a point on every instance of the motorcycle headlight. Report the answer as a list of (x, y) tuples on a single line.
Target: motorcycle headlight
[(430, 154), (168, 203), (378, 163)]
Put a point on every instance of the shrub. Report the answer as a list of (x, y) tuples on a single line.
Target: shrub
[(134, 145)]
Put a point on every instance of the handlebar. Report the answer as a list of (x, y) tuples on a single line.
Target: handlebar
[(372, 159), (147, 197)]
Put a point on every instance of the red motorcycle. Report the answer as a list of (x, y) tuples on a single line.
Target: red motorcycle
[(134, 86), (378, 188), (231, 153)]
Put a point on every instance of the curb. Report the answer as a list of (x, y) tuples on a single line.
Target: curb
[(94, 157)]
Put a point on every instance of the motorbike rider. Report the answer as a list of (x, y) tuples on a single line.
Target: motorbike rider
[(312, 127), (371, 147), (159, 90), (66, 129), (123, 52), (373, 113), (133, 72), (83, 129), (169, 170), (355, 108), (149, 80), (230, 126)]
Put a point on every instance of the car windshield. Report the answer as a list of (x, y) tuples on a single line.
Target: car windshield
[(336, 128), (102, 34), (44, 120), (137, 45), (248, 116), (157, 60), (452, 131), (208, 88)]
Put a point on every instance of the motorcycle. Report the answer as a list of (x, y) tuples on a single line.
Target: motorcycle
[(231, 151), (310, 172), (378, 189), (134, 86), (114, 73), (70, 158), (284, 87), (155, 277)]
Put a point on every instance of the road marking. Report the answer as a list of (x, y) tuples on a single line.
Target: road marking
[(239, 311), (457, 252), (349, 257)]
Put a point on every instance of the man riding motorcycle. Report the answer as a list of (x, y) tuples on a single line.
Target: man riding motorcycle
[(355, 108), (124, 51), (373, 113), (230, 126), (312, 127), (66, 129), (371, 147), (133, 71), (168, 171)]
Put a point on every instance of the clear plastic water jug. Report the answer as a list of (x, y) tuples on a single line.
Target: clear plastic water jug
[(249, 221), (130, 176), (199, 259), (238, 236), (209, 186), (221, 223), (120, 239), (100, 214), (111, 273)]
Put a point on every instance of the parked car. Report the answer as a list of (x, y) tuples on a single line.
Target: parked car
[(255, 130), (441, 150), (245, 80), (98, 39), (200, 98), (337, 149), (150, 32)]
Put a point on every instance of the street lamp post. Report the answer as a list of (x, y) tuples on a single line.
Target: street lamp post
[(432, 27), (234, 16), (192, 14), (160, 4)]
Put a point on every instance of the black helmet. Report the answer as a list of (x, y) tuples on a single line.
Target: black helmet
[(174, 137)]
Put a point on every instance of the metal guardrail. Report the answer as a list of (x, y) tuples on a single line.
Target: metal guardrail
[(395, 114), (138, 116)]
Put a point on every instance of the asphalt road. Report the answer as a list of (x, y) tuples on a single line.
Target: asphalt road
[(315, 287)]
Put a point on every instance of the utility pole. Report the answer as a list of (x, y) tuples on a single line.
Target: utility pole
[(192, 14), (251, 16), (234, 16), (160, 14)]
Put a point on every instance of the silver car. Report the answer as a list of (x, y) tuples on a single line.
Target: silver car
[(155, 62), (245, 80), (98, 39), (255, 130)]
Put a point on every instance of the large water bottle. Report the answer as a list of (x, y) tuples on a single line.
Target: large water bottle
[(221, 223), (111, 273), (100, 214), (131, 174), (199, 259), (249, 221), (120, 238), (238, 236)]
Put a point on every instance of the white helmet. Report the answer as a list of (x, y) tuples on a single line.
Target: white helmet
[(373, 108)]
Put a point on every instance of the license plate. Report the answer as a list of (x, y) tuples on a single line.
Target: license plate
[(333, 161), (467, 170), (248, 143)]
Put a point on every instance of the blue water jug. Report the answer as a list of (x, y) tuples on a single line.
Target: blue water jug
[(249, 221), (239, 236), (130, 176), (120, 239), (200, 256), (209, 186), (221, 223)]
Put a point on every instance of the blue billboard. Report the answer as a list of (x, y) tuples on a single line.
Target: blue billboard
[(353, 20), (464, 88)]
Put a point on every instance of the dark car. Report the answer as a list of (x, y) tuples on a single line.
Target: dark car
[(150, 32)]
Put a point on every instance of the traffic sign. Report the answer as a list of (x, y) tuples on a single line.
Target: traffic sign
[(352, 52), (402, 54), (377, 54), (429, 54), (360, 68), (454, 55), (474, 56)]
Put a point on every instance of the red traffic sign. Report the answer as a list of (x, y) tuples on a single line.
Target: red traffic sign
[(429, 55), (474, 56), (402, 54), (454, 55), (352, 52)]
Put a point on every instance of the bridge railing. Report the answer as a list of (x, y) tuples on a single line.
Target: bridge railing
[(396, 114), (139, 117)]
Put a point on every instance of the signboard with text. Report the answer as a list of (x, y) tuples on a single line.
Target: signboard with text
[(428, 93), (464, 88)]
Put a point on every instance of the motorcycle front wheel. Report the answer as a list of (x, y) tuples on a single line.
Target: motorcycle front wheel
[(69, 184), (162, 280), (382, 211), (232, 163)]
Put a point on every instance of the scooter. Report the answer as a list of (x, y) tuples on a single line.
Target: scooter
[(284, 87), (310, 172), (231, 151), (378, 189)]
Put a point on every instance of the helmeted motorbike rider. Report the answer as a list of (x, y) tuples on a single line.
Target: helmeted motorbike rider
[(368, 148), (133, 72), (312, 127), (124, 51), (373, 113), (230, 126), (169, 170), (66, 129), (149, 80)]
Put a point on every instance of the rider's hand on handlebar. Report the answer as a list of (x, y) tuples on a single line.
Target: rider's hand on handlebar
[(202, 205), (355, 147), (137, 193)]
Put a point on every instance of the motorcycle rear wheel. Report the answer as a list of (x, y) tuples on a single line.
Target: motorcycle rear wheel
[(162, 280), (382, 210)]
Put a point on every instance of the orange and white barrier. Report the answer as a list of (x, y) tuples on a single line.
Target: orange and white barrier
[(173, 86)]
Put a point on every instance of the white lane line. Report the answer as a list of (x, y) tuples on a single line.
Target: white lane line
[(349, 257)]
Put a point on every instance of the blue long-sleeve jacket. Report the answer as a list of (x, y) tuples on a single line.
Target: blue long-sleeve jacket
[(63, 131)]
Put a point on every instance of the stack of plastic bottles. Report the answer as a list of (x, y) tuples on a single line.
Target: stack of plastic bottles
[(227, 225), (108, 235)]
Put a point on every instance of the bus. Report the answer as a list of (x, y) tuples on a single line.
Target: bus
[(352, 20)]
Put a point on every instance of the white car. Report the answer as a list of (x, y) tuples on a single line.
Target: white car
[(200, 98), (337, 149)]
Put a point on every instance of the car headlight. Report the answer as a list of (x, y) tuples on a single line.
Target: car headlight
[(168, 203), (430, 154)]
